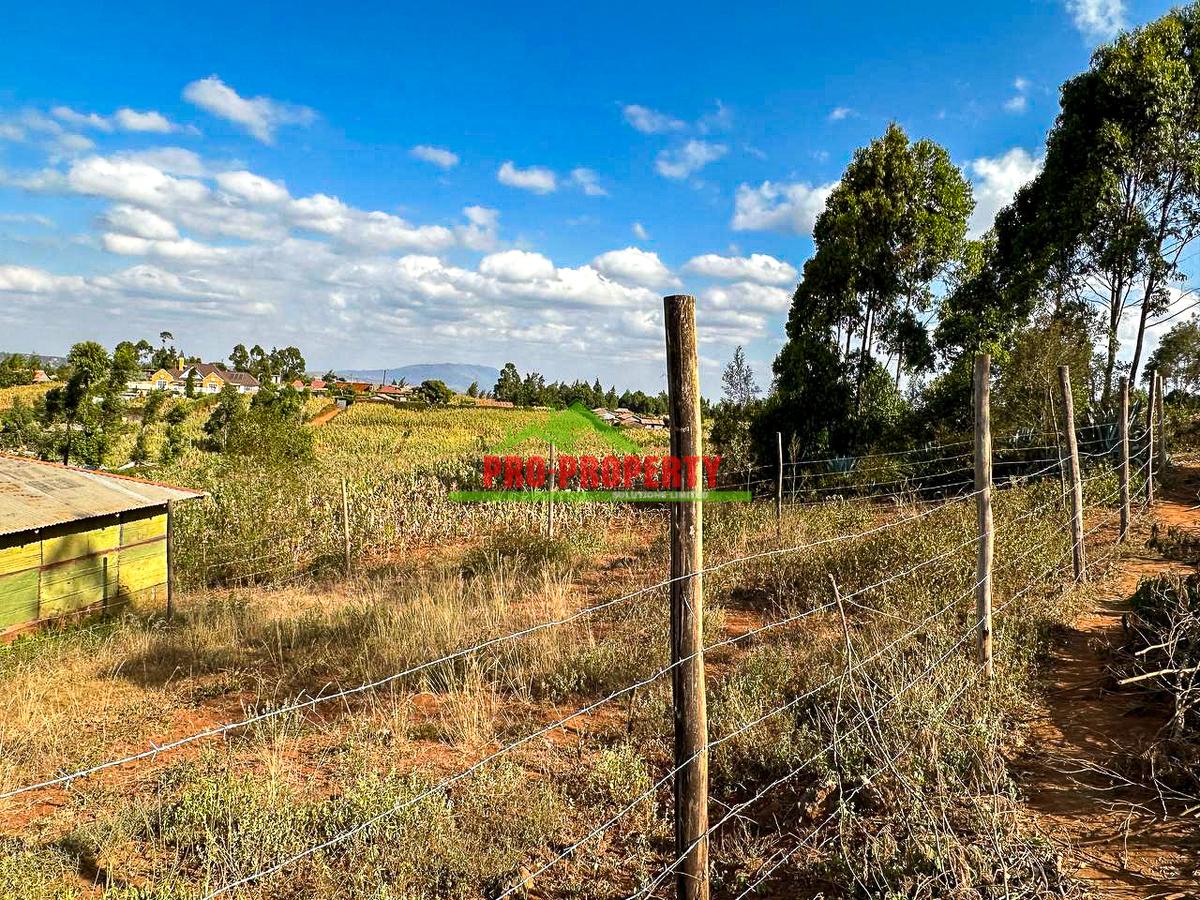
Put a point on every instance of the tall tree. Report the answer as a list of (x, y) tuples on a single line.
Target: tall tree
[(1118, 199)]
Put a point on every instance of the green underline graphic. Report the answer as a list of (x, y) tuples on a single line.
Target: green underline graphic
[(613, 496)]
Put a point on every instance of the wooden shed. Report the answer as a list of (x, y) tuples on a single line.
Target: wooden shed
[(74, 541)]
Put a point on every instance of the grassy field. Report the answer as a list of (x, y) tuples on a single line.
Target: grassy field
[(890, 781)]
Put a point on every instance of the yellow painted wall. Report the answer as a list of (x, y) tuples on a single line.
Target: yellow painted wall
[(69, 568)]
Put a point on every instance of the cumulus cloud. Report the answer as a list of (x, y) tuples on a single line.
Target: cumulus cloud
[(251, 187), (439, 156), (1019, 101), (996, 180), (537, 179), (651, 121), (745, 295), (151, 121), (81, 120), (636, 267), (1097, 20), (690, 158), (516, 266), (141, 223), (260, 116), (778, 206), (758, 267), (840, 112)]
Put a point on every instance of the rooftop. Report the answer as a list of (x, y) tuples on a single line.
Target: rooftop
[(37, 494)]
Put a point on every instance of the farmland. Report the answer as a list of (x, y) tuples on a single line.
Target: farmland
[(464, 778)]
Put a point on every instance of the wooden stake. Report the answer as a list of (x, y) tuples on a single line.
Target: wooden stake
[(550, 499), (1068, 402), (1162, 426), (1123, 459), (687, 610), (346, 525), (1150, 440), (779, 486), (983, 505), (170, 561)]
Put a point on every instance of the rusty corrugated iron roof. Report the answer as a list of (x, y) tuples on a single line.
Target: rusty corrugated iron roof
[(37, 494)]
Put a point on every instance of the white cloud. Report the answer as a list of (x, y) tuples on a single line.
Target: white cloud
[(538, 179), (1019, 102), (131, 120), (688, 159), (651, 121), (516, 266), (587, 181), (1097, 20), (745, 295), (639, 232), (758, 267), (142, 223), (778, 206), (250, 187), (124, 119), (260, 116), (81, 120), (480, 231), (11, 132), (439, 156), (174, 160), (840, 112), (25, 280), (636, 267), (997, 180)]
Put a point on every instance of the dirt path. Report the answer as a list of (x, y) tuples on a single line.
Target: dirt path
[(324, 416), (1114, 833)]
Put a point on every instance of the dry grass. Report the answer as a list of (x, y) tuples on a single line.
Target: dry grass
[(904, 783)]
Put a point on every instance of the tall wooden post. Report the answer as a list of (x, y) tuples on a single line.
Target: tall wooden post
[(1162, 425), (1068, 402), (983, 505), (1123, 461), (170, 560), (779, 485), (1150, 440), (687, 611), (550, 499), (346, 525)]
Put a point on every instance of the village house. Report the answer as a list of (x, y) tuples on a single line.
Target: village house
[(627, 418), (207, 378)]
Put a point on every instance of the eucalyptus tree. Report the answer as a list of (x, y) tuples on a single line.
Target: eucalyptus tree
[(888, 232), (1117, 202)]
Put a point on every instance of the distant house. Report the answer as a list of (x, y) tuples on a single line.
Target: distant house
[(40, 377), (207, 378), (627, 418), (316, 386)]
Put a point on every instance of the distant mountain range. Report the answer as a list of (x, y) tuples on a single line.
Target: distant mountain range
[(457, 376)]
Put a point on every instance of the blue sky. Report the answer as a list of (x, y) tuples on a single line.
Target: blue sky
[(384, 184)]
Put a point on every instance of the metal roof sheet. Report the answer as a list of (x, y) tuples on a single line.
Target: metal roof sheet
[(36, 494)]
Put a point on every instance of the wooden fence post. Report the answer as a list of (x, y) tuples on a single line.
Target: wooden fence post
[(983, 506), (687, 610), (346, 525), (1123, 430), (170, 560), (1068, 402), (1162, 426), (550, 499), (1150, 441), (779, 486)]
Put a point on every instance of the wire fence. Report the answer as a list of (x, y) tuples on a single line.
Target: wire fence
[(905, 489)]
